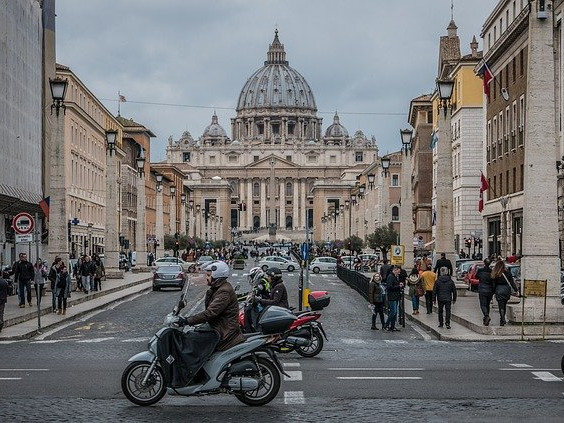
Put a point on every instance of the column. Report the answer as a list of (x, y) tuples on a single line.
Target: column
[(282, 212), (263, 205), (295, 205), (111, 236), (183, 219), (303, 204), (407, 228), (159, 228), (172, 215), (249, 204), (140, 229), (242, 215)]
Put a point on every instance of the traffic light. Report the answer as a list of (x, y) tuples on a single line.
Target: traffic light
[(468, 242), (244, 206), (176, 245)]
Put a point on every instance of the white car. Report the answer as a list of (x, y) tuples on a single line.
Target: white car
[(323, 264), (173, 260), (347, 261), (279, 262)]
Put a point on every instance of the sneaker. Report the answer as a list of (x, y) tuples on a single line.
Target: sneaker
[(440, 325), (502, 323), (395, 330), (373, 328), (448, 326), (487, 320), (31, 305), (22, 305)]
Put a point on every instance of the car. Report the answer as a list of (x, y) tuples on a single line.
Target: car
[(471, 277), (323, 264), (463, 268), (173, 260), (515, 270), (347, 261), (203, 260), (168, 275), (367, 257), (279, 262)]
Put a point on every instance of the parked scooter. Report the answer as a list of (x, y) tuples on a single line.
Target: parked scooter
[(250, 370), (306, 333)]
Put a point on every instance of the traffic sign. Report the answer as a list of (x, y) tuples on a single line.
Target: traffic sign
[(23, 238), (305, 251), (23, 223), (397, 255), (75, 221)]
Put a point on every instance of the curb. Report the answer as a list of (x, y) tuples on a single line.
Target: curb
[(78, 315)]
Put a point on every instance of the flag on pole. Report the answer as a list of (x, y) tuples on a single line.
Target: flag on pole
[(484, 186), (44, 204), (122, 99), (486, 74)]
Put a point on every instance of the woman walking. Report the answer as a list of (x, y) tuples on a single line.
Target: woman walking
[(414, 284), (376, 299), (502, 281), (99, 272), (39, 278), (63, 290)]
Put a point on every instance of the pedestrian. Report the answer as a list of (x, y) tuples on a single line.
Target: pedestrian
[(485, 290), (24, 273), (443, 262), (63, 290), (52, 276), (376, 300), (385, 270), (413, 282), (4, 277), (444, 293), (86, 272), (502, 281), (39, 279), (99, 272), (428, 278), (393, 291)]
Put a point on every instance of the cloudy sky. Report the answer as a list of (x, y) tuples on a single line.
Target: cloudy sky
[(366, 59)]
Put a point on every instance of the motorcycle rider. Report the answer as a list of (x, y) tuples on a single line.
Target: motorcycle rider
[(222, 308), (260, 289), (278, 293)]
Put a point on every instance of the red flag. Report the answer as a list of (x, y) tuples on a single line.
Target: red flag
[(483, 187), (44, 204), (486, 75)]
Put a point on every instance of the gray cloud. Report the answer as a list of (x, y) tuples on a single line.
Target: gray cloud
[(358, 56)]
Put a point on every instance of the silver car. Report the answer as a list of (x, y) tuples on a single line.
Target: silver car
[(323, 264), (173, 260), (169, 275), (279, 262)]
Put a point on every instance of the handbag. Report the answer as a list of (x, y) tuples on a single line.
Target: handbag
[(419, 291)]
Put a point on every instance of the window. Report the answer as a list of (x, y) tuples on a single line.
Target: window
[(255, 158), (312, 158), (395, 213), (430, 116), (289, 158), (358, 156), (513, 69), (185, 157), (332, 159), (507, 182), (275, 128), (514, 179), (256, 189), (522, 177), (212, 159), (289, 189), (233, 158), (260, 128), (291, 126), (521, 63), (501, 184), (395, 180)]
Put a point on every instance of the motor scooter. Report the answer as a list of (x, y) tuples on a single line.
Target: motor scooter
[(250, 370)]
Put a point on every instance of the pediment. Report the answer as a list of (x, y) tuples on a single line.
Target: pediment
[(279, 163)]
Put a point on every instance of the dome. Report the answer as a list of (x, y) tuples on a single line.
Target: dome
[(214, 130), (336, 130), (276, 84)]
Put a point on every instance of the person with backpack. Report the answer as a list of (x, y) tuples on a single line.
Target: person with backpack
[(485, 290), (444, 293), (63, 290), (414, 284), (86, 271), (99, 272), (24, 273)]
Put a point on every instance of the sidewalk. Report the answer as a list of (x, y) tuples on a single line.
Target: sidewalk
[(21, 323)]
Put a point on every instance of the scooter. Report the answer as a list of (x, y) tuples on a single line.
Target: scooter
[(250, 370), (305, 335)]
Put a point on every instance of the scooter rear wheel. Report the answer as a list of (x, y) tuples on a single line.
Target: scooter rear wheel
[(133, 389), (314, 348), (268, 388)]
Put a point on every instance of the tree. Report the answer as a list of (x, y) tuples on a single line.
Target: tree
[(382, 239), (354, 243)]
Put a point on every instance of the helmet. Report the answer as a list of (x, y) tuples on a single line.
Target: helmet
[(274, 273), (255, 274), (218, 269)]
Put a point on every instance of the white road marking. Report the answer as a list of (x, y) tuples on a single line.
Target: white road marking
[(294, 375), (291, 364), (294, 397), (528, 369), (353, 341), (50, 341), (136, 340), (10, 378), (10, 342), (520, 365), (24, 370), (235, 275), (378, 378), (556, 341), (395, 341), (546, 377), (375, 369), (94, 340)]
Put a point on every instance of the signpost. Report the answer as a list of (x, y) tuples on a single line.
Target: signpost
[(533, 288), (397, 256), (23, 223)]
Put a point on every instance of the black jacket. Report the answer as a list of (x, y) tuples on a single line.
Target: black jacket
[(502, 289), (23, 271), (3, 291), (445, 289), (393, 289), (486, 285), (384, 271), (443, 262), (86, 269), (278, 296)]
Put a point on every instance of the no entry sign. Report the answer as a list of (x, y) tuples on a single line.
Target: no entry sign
[(23, 223)]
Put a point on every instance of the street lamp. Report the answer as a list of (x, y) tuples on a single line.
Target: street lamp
[(361, 190), (58, 91), (406, 135), (445, 88), (172, 191), (371, 178), (111, 137), (141, 162), (183, 198), (385, 165), (190, 203), (159, 182)]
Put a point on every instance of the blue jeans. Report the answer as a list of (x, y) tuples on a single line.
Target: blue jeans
[(415, 302), (392, 314), (87, 283), (23, 287)]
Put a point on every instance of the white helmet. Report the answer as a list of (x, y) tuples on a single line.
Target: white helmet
[(218, 269), (255, 274)]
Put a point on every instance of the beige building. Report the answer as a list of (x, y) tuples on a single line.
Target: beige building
[(276, 162)]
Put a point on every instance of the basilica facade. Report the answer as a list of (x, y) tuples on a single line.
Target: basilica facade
[(278, 168)]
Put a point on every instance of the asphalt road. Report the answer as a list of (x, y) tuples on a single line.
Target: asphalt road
[(74, 373)]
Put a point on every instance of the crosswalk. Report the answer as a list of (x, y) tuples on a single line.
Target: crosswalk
[(544, 375), (292, 397)]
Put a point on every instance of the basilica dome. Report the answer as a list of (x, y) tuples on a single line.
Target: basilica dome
[(214, 129), (336, 130), (276, 84)]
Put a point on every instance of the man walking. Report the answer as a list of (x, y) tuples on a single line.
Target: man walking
[(24, 273), (445, 293), (86, 272), (443, 262), (485, 290), (429, 277), (393, 290)]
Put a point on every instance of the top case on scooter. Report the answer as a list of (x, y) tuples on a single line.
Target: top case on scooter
[(276, 319), (318, 300)]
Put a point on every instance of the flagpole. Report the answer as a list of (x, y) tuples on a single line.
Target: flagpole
[(119, 102)]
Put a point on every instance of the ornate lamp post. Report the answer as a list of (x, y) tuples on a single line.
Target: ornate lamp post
[(111, 239), (172, 223), (140, 232), (183, 213), (159, 227), (406, 226)]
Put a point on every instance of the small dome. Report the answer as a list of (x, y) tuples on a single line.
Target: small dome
[(186, 139), (214, 130), (336, 130)]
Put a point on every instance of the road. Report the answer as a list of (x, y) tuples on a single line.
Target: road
[(363, 375)]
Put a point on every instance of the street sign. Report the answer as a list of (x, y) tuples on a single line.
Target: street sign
[(397, 255), (75, 221), (534, 288), (22, 238), (415, 241), (305, 251), (23, 223)]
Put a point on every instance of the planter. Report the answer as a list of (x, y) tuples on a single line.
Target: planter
[(240, 265)]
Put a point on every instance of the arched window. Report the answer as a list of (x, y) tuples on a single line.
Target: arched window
[(289, 189), (310, 186), (289, 222), (395, 213), (256, 189), (256, 222)]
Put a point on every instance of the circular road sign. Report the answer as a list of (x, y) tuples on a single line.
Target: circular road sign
[(23, 223)]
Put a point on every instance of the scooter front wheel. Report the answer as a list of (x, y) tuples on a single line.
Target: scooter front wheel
[(314, 348), (268, 388), (133, 388)]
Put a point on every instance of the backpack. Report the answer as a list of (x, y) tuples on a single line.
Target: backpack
[(61, 282)]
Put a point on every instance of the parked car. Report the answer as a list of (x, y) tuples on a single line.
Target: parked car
[(463, 268), (203, 260), (471, 277), (279, 262), (515, 270), (323, 264), (168, 275), (173, 260)]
